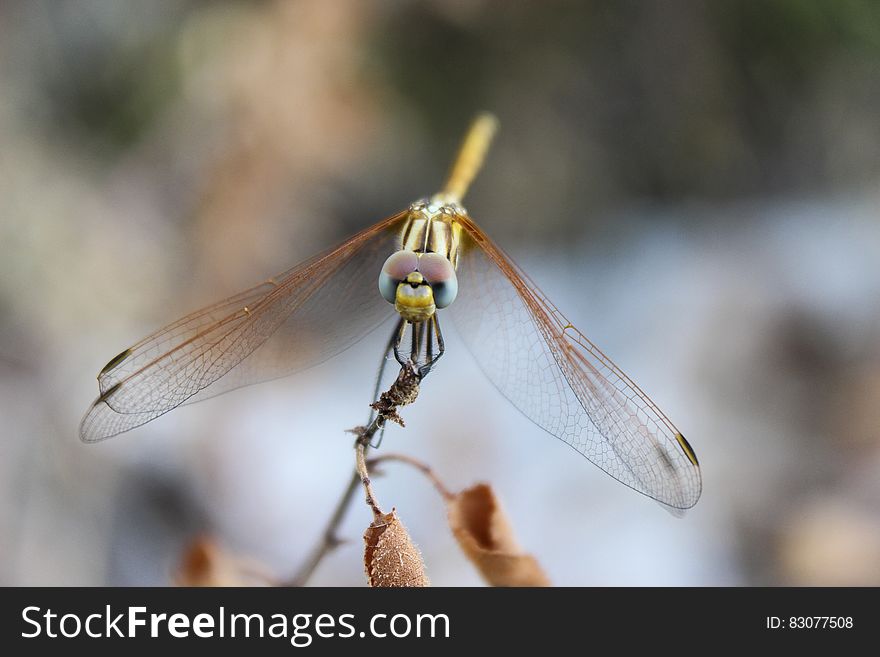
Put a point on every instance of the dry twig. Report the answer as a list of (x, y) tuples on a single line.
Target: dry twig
[(403, 391)]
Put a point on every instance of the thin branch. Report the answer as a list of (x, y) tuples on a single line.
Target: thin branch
[(329, 540), (360, 449), (424, 468), (403, 391)]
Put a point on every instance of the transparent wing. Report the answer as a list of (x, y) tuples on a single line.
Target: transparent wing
[(562, 381), (288, 323)]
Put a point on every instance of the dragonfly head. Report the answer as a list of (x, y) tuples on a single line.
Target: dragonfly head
[(418, 283)]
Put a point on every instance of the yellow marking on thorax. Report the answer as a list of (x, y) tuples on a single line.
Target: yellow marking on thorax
[(433, 228)]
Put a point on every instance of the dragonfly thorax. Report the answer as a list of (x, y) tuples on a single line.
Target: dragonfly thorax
[(420, 277), (434, 226)]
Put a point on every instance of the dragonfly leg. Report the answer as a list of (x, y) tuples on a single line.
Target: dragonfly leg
[(429, 343), (431, 358), (383, 364), (395, 337), (398, 339), (416, 348)]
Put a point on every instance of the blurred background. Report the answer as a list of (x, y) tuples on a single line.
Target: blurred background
[(694, 184)]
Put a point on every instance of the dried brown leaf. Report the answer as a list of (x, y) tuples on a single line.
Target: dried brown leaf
[(486, 536), (206, 564), (390, 556)]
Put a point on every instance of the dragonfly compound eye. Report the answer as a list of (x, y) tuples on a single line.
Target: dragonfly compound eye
[(395, 270), (440, 274)]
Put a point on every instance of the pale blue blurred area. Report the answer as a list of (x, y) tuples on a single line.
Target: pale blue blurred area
[(694, 189)]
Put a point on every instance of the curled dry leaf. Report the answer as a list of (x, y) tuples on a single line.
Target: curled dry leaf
[(206, 564), (484, 533), (390, 556)]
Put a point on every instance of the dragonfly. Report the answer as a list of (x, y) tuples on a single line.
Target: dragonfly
[(426, 262)]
